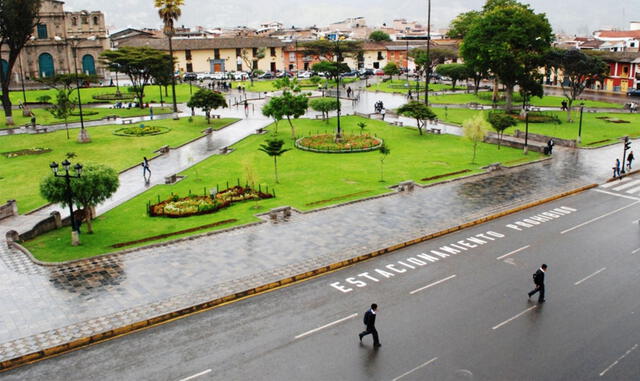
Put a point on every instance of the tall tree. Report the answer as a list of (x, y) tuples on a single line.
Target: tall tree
[(207, 100), (325, 106), (252, 61), (378, 35), (273, 148), (509, 39), (162, 74), (418, 111), (500, 122), (462, 23), (274, 109), (18, 19), (475, 129), (291, 106), (391, 69), (137, 63), (169, 12), (425, 62), (96, 185), (580, 70), (457, 72)]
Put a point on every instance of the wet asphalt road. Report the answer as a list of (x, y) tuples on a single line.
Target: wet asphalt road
[(464, 316)]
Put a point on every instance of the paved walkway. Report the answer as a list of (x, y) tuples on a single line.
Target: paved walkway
[(44, 306)]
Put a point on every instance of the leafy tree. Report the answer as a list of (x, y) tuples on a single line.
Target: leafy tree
[(138, 63), (461, 24), (379, 35), (252, 62), (384, 152), (510, 40), (18, 19), (325, 106), (362, 126), (391, 69), (207, 100), (290, 106), (475, 129), (273, 148), (62, 108), (580, 70), (315, 80), (169, 12), (67, 82), (287, 84), (419, 111), (457, 72), (500, 122), (273, 109), (96, 185), (425, 62), (162, 75)]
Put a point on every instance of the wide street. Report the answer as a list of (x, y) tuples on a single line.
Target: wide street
[(442, 315)]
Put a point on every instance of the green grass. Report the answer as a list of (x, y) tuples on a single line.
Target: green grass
[(485, 99), (20, 176), (305, 178), (594, 130), (397, 86), (261, 86), (44, 117)]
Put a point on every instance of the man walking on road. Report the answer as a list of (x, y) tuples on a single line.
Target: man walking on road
[(370, 322), (538, 279)]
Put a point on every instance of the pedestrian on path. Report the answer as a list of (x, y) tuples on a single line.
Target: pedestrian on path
[(370, 323), (616, 169), (349, 92), (630, 159), (564, 105), (383, 112), (151, 112), (550, 145), (538, 280), (246, 108), (145, 169)]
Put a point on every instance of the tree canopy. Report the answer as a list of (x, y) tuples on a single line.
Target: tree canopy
[(460, 26), (287, 106), (333, 50), (379, 35), (457, 72), (273, 148), (207, 100), (324, 105), (419, 111), (391, 69), (500, 122)]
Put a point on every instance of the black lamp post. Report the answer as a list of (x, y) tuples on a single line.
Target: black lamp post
[(428, 70), (83, 137), (75, 238), (526, 131), (580, 125)]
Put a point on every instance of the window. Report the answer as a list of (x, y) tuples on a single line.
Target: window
[(273, 66), (187, 54), (291, 67), (74, 21), (625, 70), (255, 65), (273, 52), (190, 67), (239, 66), (376, 65), (238, 52), (85, 20), (95, 20), (42, 31), (216, 54), (380, 56), (254, 52)]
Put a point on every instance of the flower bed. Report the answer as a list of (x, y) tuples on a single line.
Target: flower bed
[(141, 130), (25, 152), (177, 207), (326, 143)]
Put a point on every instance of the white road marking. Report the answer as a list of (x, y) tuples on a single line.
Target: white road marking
[(633, 190), (514, 252), (618, 360), (627, 185), (433, 284), (598, 218), (617, 194), (635, 251), (196, 375), (614, 183), (325, 326), (514, 318), (594, 274), (414, 369)]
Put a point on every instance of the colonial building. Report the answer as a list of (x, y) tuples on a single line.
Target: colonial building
[(55, 39), (213, 55)]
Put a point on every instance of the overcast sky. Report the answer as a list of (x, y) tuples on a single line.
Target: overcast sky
[(570, 16)]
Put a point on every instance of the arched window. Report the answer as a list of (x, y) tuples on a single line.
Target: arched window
[(74, 21), (5, 67), (45, 63), (95, 20), (88, 64)]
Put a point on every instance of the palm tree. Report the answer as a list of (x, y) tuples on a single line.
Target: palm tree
[(384, 152), (169, 11), (274, 149)]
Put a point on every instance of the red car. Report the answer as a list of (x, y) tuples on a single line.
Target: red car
[(378, 72)]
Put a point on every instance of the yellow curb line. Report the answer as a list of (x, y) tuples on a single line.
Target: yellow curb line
[(219, 302)]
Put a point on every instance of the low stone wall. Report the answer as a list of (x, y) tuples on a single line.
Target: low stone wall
[(545, 139), (493, 139), (9, 209)]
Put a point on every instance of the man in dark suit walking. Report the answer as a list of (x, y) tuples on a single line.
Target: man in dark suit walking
[(538, 279), (370, 322)]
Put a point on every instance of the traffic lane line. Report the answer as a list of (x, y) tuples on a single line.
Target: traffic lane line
[(325, 326), (618, 360), (433, 284), (635, 251), (196, 375), (599, 218), (514, 317), (617, 194), (589, 276), (414, 369), (514, 252)]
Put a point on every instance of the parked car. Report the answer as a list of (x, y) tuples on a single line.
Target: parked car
[(352, 73), (218, 75), (378, 72), (633, 93), (239, 76), (190, 77), (283, 74), (267, 75), (366, 72)]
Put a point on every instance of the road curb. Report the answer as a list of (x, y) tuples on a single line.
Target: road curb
[(171, 316)]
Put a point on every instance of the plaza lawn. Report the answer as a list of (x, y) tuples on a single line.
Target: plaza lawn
[(595, 131), (307, 181), (484, 98), (44, 117), (261, 86), (152, 94), (398, 86), (20, 176)]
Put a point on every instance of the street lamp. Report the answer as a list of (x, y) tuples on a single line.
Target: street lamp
[(526, 131), (83, 137), (428, 71), (75, 230), (580, 126)]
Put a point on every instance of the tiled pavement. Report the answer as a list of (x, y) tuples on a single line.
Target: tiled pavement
[(44, 306)]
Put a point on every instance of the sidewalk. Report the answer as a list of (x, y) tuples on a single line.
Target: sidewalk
[(45, 306)]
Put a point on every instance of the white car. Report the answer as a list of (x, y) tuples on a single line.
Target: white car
[(218, 75), (240, 76), (304, 74), (203, 76)]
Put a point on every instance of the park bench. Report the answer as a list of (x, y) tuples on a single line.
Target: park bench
[(260, 130), (225, 150), (108, 117), (127, 121), (215, 116), (435, 130), (397, 123), (475, 106), (406, 186), (284, 210), (171, 179)]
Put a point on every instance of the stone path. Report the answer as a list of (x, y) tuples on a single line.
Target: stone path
[(43, 306)]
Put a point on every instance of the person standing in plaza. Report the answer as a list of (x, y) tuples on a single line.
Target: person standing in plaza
[(151, 112), (616, 169), (630, 159), (370, 323), (145, 169), (538, 280)]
